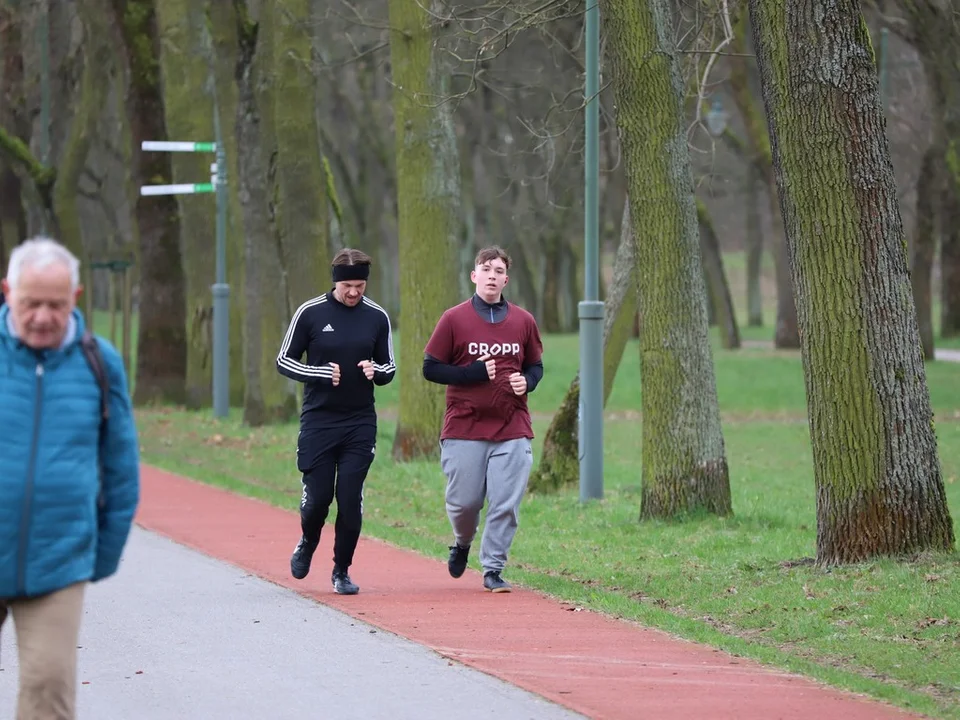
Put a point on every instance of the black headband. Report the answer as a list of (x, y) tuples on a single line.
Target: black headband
[(346, 273)]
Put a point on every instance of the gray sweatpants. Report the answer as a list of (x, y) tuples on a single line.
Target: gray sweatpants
[(497, 471)]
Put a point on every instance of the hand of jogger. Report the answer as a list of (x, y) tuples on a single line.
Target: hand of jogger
[(518, 381), (491, 365), (367, 367), (336, 374)]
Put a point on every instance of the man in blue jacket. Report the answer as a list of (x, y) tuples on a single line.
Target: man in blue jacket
[(69, 471)]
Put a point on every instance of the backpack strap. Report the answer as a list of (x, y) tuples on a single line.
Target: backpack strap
[(91, 351)]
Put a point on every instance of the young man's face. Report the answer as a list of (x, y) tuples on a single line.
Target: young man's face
[(41, 304), (490, 278), (350, 292)]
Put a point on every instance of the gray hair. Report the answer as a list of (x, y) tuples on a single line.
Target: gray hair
[(38, 253)]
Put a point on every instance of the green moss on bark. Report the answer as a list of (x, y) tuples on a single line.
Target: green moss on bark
[(428, 197)]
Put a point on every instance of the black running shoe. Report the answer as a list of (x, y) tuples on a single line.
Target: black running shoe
[(458, 560), (301, 558), (342, 584), (494, 583)]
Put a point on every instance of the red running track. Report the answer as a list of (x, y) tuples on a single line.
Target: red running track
[(601, 667)]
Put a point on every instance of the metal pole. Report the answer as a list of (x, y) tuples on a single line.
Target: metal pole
[(221, 290), (590, 433)]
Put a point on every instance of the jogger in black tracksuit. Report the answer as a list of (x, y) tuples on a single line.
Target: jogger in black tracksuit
[(349, 347)]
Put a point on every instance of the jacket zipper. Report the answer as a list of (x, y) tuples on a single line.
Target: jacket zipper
[(28, 492)]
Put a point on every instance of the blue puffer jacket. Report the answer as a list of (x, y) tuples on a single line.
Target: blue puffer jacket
[(53, 529)]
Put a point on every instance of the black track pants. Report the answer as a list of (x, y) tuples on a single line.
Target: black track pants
[(335, 463)]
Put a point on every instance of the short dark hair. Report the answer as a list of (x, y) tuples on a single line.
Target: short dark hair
[(494, 252), (349, 256)]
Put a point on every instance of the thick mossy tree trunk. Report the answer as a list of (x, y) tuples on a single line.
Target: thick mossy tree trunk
[(559, 464), (266, 197), (302, 206), (428, 197), (684, 461), (266, 395), (879, 485), (188, 100), (162, 341)]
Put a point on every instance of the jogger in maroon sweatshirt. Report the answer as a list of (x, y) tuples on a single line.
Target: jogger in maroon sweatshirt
[(488, 353)]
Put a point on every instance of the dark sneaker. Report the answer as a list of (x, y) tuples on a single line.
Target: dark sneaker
[(342, 584), (301, 558), (494, 583), (458, 560)]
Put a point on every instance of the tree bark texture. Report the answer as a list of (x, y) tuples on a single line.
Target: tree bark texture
[(302, 208), (262, 294), (428, 195), (91, 98), (559, 464), (879, 485), (267, 197), (684, 461), (162, 342)]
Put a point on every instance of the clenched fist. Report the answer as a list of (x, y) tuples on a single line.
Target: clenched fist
[(335, 376), (367, 368), (491, 365), (518, 381)]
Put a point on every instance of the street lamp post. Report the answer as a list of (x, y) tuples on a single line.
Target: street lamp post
[(590, 310)]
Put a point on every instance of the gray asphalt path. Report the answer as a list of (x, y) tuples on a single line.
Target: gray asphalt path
[(179, 636)]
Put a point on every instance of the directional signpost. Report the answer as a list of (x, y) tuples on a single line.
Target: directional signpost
[(221, 290)]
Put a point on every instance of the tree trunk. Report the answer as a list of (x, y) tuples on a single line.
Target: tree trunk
[(13, 225), (302, 210), (162, 343), (754, 235), (879, 486), (91, 99), (190, 118), (716, 280), (786, 333), (428, 197), (925, 245), (684, 461), (936, 35), (950, 266), (559, 464), (265, 395), (223, 56)]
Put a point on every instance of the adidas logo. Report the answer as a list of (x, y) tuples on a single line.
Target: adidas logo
[(328, 328)]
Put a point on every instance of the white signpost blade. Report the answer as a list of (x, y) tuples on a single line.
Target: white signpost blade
[(170, 146), (182, 189)]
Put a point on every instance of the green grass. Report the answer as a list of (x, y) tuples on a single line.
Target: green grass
[(744, 584)]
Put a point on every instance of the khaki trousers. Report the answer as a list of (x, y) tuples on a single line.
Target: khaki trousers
[(48, 628)]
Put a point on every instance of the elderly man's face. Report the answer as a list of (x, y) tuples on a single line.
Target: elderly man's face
[(41, 304)]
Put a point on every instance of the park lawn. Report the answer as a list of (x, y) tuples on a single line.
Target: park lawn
[(744, 584)]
